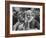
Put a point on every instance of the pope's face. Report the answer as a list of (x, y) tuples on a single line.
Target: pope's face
[(28, 16)]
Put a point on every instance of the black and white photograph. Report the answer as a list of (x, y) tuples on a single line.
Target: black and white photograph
[(25, 18)]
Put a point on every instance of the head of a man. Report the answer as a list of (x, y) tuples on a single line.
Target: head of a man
[(21, 16), (29, 16)]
